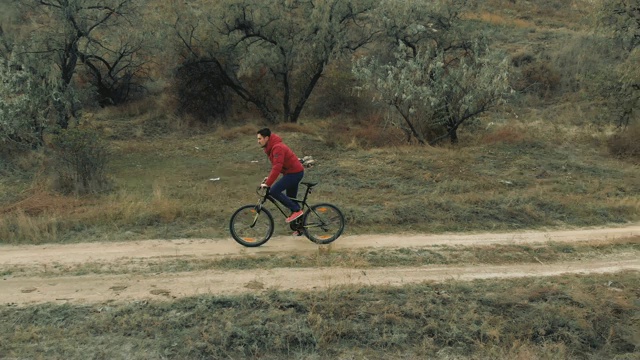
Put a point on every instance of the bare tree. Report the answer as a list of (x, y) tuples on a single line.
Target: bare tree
[(72, 33), (117, 70), (273, 53)]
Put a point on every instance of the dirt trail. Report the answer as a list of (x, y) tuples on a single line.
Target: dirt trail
[(23, 289)]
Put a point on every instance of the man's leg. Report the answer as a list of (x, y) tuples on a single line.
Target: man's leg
[(289, 183), (292, 191)]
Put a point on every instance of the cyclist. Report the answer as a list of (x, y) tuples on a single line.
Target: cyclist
[(283, 160)]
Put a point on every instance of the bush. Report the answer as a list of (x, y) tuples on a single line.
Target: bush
[(80, 157), (25, 101), (535, 76), (201, 93), (625, 144)]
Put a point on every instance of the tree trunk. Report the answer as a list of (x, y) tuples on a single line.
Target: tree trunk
[(307, 93), (453, 135)]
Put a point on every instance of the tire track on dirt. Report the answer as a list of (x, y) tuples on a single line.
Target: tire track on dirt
[(168, 286), (105, 288), (210, 248)]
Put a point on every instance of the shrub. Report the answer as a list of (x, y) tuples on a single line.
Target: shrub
[(25, 101), (625, 144), (538, 77), (80, 160), (201, 93)]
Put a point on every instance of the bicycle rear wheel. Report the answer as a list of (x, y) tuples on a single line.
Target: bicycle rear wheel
[(323, 223), (251, 226)]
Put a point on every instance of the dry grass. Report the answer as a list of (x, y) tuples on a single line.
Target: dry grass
[(19, 227), (40, 201), (369, 132), (500, 20), (508, 175), (235, 132), (536, 15), (37, 215), (506, 134), (550, 318), (512, 176), (294, 128)]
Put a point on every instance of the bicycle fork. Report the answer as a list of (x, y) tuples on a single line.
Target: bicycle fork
[(257, 209)]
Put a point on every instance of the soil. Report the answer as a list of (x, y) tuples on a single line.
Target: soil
[(32, 285)]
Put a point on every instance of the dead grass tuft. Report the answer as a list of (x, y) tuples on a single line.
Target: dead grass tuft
[(295, 128), (373, 136), (368, 133), (506, 134), (22, 228), (41, 202), (498, 19), (233, 133), (167, 209)]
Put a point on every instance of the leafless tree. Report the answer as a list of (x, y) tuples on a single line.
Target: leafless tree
[(273, 53)]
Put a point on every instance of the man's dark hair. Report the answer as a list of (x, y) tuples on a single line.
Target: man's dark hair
[(264, 132)]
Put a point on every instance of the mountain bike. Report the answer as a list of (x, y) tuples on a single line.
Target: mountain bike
[(252, 225)]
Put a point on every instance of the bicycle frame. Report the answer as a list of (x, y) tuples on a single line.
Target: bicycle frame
[(282, 208)]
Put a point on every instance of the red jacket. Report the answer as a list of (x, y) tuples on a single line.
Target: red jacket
[(283, 160)]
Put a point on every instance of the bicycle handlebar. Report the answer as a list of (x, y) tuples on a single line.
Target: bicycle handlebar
[(262, 191)]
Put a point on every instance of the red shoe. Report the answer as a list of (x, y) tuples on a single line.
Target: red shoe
[(294, 216), (297, 233)]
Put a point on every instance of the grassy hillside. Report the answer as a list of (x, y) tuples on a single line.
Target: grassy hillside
[(507, 176), (548, 159), (504, 176), (544, 160)]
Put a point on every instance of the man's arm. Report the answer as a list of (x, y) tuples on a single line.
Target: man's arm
[(276, 165)]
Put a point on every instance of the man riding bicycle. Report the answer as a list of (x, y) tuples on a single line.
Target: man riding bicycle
[(283, 160)]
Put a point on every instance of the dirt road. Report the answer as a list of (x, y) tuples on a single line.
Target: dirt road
[(31, 284)]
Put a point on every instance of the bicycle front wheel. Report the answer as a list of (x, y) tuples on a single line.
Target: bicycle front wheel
[(251, 226), (323, 223)]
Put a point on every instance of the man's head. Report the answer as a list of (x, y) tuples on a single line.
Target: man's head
[(263, 136)]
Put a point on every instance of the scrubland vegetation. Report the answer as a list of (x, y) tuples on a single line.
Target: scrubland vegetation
[(446, 116)]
